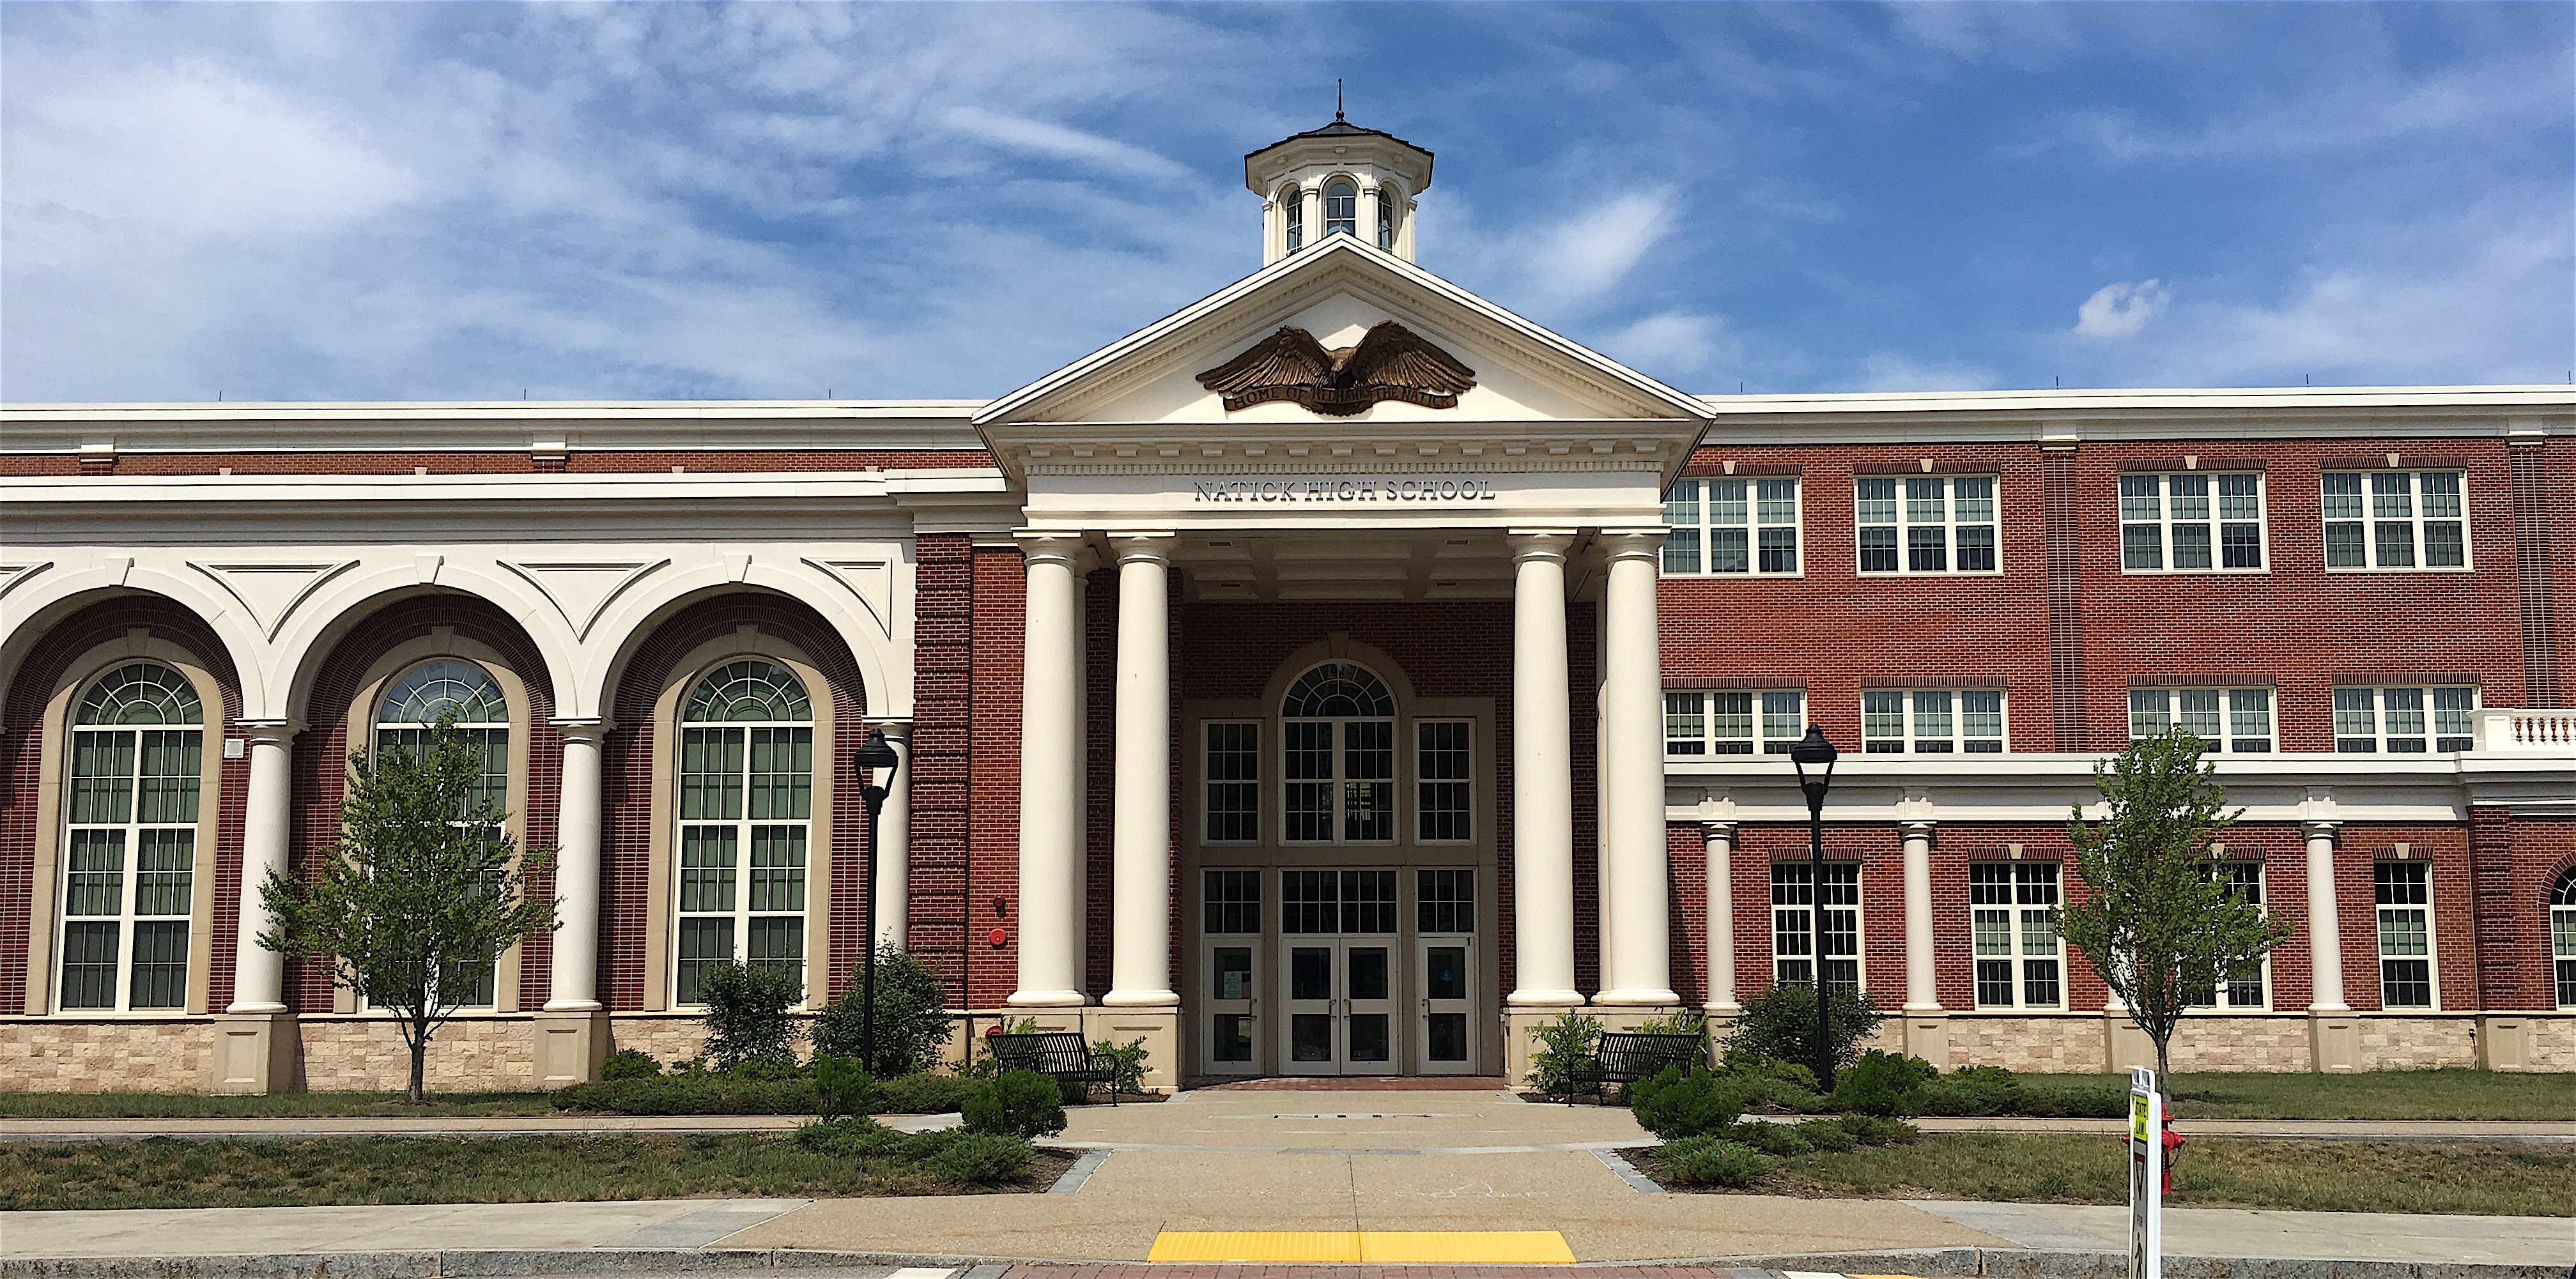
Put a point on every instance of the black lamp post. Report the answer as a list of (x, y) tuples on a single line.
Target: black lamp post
[(872, 755), (1813, 750)]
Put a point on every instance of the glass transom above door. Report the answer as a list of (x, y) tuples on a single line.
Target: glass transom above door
[(1336, 901)]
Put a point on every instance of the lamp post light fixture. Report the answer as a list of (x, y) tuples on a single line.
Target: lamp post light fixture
[(872, 755), (1810, 752)]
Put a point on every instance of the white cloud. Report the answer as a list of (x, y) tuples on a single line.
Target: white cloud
[(2121, 309), (1037, 137), (1583, 257), (1895, 371), (1672, 343)]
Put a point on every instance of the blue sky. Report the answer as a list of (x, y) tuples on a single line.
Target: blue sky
[(432, 201)]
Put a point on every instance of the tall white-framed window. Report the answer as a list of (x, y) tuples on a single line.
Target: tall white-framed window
[(409, 710), (2562, 936), (2406, 720), (2404, 891), (1233, 783), (746, 815), (1728, 721), (1292, 202), (2395, 519), (1444, 788), (1793, 948), (2247, 986), (1926, 523), (1729, 526), (1390, 205), (1932, 721), (2010, 911), (137, 766), (2233, 720), (1341, 207), (1338, 757), (2191, 522)]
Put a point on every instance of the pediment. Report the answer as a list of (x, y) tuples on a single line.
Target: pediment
[(1147, 387)]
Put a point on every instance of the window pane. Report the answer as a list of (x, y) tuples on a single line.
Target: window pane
[(1784, 720), (711, 763), (1681, 551), (1730, 723), (2356, 722), (1368, 793), (1931, 721), (2249, 719), (1234, 781), (1442, 767), (1727, 552), (89, 964), (2444, 546), (2240, 497), (2342, 496), (1779, 550), (2147, 716), (2139, 499), (2441, 493), (2191, 546), (782, 774), (1878, 550), (2190, 496), (2142, 546), (102, 777), (1778, 501), (1976, 548), (777, 868), (1925, 501), (165, 865), (2197, 708), (1981, 720), (1976, 501), (1882, 719), (1309, 804), (2344, 546), (777, 943), (160, 965), (1876, 501), (2394, 540), (2392, 494), (2240, 546), (95, 873), (1726, 502), (1927, 549), (168, 776), (702, 942), (1681, 505), (1684, 725), (707, 868)]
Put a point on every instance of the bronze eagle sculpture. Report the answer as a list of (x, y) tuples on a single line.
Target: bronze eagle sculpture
[(1391, 362)]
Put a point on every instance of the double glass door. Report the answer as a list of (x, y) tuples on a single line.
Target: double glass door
[(1341, 1007)]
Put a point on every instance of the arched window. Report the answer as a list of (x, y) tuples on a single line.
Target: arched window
[(746, 809), (411, 708), (1294, 201), (1338, 730), (138, 750), (1388, 201), (1341, 208), (2562, 935)]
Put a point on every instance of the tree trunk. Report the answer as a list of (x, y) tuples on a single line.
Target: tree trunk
[(419, 1066), (2164, 1072)]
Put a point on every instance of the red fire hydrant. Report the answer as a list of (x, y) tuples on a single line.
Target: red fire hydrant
[(2173, 1142)]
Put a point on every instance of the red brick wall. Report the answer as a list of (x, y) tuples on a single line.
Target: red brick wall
[(943, 719), (22, 736), (321, 758), (478, 463), (626, 784), (2446, 850), (2543, 850), (993, 865)]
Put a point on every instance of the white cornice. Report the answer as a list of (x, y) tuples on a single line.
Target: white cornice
[(496, 426), (2074, 416)]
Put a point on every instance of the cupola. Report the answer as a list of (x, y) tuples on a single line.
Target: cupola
[(1337, 180)]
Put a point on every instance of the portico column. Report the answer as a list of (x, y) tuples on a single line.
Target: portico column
[(891, 877), (259, 974), (1922, 989), (1140, 953), (1542, 774), (1051, 767), (1636, 885), (572, 983), (1720, 838), (2325, 931)]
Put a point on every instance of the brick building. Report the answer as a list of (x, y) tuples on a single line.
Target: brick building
[(1340, 674)]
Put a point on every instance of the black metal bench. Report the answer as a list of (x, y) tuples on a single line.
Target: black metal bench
[(1058, 1054), (1626, 1056)]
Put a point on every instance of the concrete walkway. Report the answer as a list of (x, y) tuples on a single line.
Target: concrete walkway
[(452, 1126)]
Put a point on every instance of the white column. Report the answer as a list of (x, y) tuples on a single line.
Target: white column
[(1314, 223), (1636, 877), (892, 871), (1720, 837), (1140, 953), (1542, 774), (1051, 765), (2325, 931), (1922, 990), (259, 974), (572, 983)]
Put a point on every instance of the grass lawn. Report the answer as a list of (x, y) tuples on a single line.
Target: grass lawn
[(164, 1173), (2456, 1093), (2500, 1179), (289, 1105)]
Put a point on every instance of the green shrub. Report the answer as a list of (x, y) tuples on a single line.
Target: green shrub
[(2074, 1101), (1126, 1064), (1987, 1075), (767, 1068), (1562, 1045), (912, 1018), (1019, 1103), (1771, 1138), (1972, 1097), (1741, 1063), (842, 1087), (857, 1137), (922, 1094), (747, 1012), (1780, 1023), (1879, 1130), (1826, 1135), (1779, 1096), (1677, 1104), (1712, 1161), (629, 1063), (1885, 1084), (701, 1094), (981, 1159)]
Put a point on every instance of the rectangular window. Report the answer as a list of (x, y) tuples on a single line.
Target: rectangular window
[(1337, 901), (2243, 988), (2406, 720), (2191, 523), (1368, 786), (2405, 895), (1732, 526), (1233, 783), (1932, 721), (1926, 523), (1233, 901), (2010, 906), (129, 868), (2237, 720), (1444, 788), (2395, 520), (1734, 722), (1792, 947), (1444, 901), (1308, 792)]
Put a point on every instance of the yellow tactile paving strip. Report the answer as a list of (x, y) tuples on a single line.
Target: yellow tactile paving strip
[(1383, 1247)]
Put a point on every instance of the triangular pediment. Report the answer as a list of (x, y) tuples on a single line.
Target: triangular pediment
[(1528, 380)]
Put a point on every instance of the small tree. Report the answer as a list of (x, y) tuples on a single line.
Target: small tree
[(751, 1014), (420, 892), (913, 1029), (2156, 920)]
